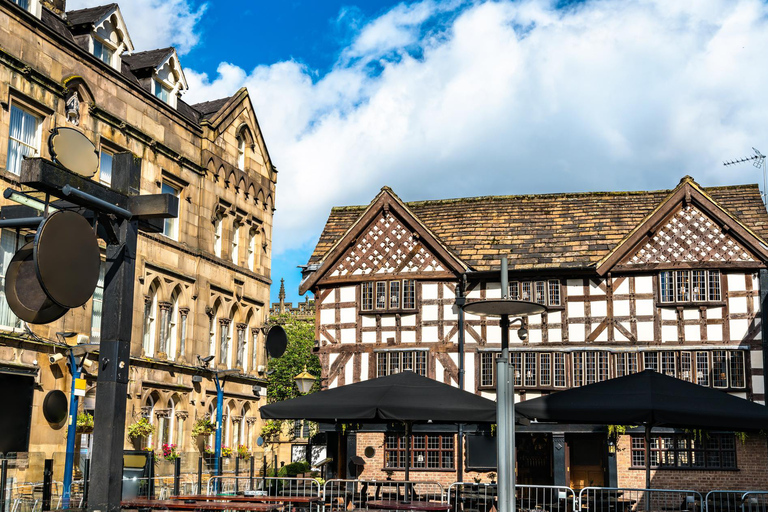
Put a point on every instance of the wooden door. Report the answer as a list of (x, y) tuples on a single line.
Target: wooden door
[(586, 460)]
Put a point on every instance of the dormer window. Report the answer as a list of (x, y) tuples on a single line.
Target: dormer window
[(32, 6)]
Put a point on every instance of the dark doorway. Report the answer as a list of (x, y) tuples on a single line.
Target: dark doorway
[(534, 459), (588, 462), (17, 412)]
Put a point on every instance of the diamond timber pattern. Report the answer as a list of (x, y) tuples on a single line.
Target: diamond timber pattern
[(690, 236), (387, 247)]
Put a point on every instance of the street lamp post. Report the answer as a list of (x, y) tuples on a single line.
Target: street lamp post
[(304, 382), (218, 375), (505, 389)]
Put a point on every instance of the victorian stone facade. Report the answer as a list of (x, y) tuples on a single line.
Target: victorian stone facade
[(203, 282)]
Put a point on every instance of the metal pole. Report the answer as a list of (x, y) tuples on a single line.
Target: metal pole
[(219, 427), (460, 301), (47, 483), (252, 461), (176, 475), (3, 482), (237, 473), (86, 481), (408, 457), (505, 415), (200, 475), (69, 460), (115, 349)]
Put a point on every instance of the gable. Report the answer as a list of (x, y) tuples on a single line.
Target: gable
[(387, 247), (690, 236)]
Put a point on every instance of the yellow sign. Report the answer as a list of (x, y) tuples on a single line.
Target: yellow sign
[(80, 387)]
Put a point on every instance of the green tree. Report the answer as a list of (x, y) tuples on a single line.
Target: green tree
[(282, 370)]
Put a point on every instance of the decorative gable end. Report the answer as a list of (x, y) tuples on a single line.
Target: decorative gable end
[(387, 247), (690, 236)]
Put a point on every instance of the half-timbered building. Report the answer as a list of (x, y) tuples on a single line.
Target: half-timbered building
[(669, 280)]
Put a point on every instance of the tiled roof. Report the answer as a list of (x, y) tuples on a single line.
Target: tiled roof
[(148, 59), (89, 15), (209, 108), (543, 231)]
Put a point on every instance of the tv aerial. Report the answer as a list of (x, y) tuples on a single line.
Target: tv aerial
[(758, 161)]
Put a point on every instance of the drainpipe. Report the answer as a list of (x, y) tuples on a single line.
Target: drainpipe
[(460, 301)]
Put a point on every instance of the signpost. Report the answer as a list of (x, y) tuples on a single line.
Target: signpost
[(117, 213)]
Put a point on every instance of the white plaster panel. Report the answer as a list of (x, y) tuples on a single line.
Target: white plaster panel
[(758, 386), (327, 316), (493, 291), (365, 360), (349, 373), (347, 293), (739, 329), (740, 395), (756, 303), (756, 359), (692, 333), (574, 287), (429, 291), (408, 336), (691, 314), (714, 333), (439, 369), (493, 334), (329, 299), (448, 290), (644, 284), (668, 314), (469, 373), (348, 315), (367, 321), (555, 335), (408, 320), (623, 288), (603, 336), (714, 312), (429, 312), (736, 282), (487, 394), (348, 335), (429, 334), (368, 337), (534, 336), (644, 307), (599, 309), (388, 321), (668, 333), (450, 312), (644, 331), (595, 289), (530, 395), (737, 305), (576, 332), (618, 335), (474, 294), (576, 309), (555, 317), (621, 308)]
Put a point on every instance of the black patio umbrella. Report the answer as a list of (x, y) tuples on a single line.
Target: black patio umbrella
[(651, 399), (403, 397)]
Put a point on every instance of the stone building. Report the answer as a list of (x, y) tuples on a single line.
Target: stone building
[(671, 280), (203, 283), (301, 311)]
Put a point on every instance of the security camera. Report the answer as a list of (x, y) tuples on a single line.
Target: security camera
[(55, 358), (316, 347), (257, 391), (522, 333)]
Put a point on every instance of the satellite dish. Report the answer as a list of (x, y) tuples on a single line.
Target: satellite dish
[(55, 406), (259, 441), (23, 291), (67, 260), (72, 150), (277, 341)]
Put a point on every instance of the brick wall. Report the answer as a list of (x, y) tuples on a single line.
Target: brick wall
[(751, 457), (374, 466)]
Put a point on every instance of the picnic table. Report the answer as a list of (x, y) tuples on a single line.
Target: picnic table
[(425, 506), (198, 505), (293, 502)]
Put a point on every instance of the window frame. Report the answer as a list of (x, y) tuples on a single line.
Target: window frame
[(374, 294), (415, 360), (173, 222), (531, 290), (37, 147), (676, 287), (683, 447), (394, 443)]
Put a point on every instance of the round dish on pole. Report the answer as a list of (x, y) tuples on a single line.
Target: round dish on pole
[(23, 291), (499, 307), (67, 258)]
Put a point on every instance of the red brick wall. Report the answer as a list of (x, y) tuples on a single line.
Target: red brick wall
[(374, 466), (751, 457)]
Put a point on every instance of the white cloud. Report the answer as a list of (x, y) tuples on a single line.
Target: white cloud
[(156, 23), (455, 99)]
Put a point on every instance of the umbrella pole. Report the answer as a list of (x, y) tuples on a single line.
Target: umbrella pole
[(647, 466), (407, 461)]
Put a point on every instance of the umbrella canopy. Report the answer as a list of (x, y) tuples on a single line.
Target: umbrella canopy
[(404, 396), (648, 398)]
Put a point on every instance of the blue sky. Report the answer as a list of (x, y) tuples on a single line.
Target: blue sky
[(456, 98)]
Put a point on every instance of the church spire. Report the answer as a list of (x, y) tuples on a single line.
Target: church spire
[(281, 296)]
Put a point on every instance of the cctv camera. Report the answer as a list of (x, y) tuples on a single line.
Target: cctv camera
[(316, 347), (55, 358), (256, 391), (522, 333)]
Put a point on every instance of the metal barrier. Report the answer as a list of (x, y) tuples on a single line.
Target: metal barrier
[(615, 499), (754, 501), (340, 495), (480, 497), (288, 487), (723, 501)]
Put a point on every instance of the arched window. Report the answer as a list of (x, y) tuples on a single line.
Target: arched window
[(150, 321), (246, 425), (252, 249), (211, 441), (172, 327), (236, 243), (212, 331), (217, 231), (149, 411), (241, 151)]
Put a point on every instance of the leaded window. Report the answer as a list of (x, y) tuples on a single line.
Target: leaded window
[(23, 138), (676, 451), (543, 292), (680, 286), (393, 295), (428, 451), (390, 362)]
